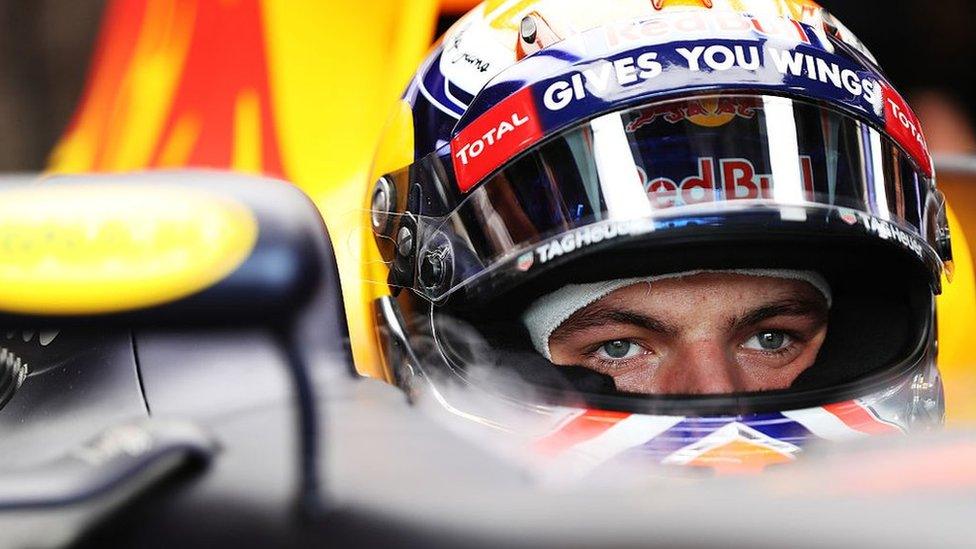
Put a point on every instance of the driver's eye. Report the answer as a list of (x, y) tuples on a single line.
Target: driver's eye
[(768, 341), (618, 350)]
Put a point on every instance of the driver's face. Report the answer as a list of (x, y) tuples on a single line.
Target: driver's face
[(705, 334)]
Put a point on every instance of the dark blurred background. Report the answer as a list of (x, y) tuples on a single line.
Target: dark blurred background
[(927, 49), (45, 46)]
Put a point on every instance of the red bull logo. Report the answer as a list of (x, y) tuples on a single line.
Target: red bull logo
[(725, 179), (672, 27)]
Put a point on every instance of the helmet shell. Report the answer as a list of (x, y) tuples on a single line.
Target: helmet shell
[(582, 63)]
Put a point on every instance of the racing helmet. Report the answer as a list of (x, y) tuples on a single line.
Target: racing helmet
[(550, 154)]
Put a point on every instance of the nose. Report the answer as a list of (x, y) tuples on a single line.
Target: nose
[(697, 367)]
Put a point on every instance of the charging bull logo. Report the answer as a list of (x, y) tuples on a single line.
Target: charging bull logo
[(710, 112), (724, 179), (659, 4)]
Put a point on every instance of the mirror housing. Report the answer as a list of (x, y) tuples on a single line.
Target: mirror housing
[(157, 248)]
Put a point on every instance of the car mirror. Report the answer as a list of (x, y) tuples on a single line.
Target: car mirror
[(182, 247)]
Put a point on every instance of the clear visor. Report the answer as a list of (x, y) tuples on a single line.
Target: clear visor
[(656, 168)]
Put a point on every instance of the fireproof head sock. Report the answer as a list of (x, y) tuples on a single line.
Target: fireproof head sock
[(548, 313)]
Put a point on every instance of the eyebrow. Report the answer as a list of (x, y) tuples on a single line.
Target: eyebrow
[(792, 307), (602, 316)]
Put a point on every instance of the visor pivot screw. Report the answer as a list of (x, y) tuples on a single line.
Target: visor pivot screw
[(381, 205), (528, 30), (432, 270), (404, 242)]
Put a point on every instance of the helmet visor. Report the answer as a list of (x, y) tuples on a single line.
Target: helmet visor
[(660, 168)]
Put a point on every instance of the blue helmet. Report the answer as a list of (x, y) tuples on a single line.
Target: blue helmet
[(564, 152)]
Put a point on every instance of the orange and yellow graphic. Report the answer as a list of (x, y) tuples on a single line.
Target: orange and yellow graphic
[(298, 90), (145, 109)]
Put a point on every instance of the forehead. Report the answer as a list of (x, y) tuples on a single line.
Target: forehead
[(709, 290)]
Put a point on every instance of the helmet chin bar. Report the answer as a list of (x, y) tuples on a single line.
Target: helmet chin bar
[(908, 397)]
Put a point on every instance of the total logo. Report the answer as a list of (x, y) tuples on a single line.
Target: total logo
[(494, 137), (725, 179), (495, 133), (906, 129), (907, 121)]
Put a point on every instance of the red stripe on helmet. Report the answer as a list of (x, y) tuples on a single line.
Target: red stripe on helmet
[(589, 425), (857, 417)]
